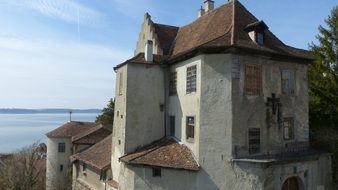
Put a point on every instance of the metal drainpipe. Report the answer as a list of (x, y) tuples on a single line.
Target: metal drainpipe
[(164, 69)]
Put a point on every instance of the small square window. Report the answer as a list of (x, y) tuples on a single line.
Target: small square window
[(120, 83), (288, 128), (103, 176), (157, 172), (190, 128), (173, 84), (254, 140), (253, 79), (84, 167), (62, 147), (259, 38), (191, 79), (288, 81)]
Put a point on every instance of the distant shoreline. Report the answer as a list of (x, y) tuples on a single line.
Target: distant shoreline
[(47, 111)]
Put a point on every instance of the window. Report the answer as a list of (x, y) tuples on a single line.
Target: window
[(259, 38), (191, 79), (61, 168), (103, 176), (288, 81), (190, 129), (252, 79), (157, 172), (254, 140), (84, 167), (120, 83), (173, 84), (172, 126), (62, 147), (288, 128)]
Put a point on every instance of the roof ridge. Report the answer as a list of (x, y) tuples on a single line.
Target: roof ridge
[(166, 25), (233, 22)]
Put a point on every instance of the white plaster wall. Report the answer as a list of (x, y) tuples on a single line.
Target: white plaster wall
[(250, 111), (147, 33), (119, 121), (215, 119), (184, 104), (145, 95), (91, 177), (54, 177)]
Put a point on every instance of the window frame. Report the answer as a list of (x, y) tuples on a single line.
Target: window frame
[(61, 149), (157, 172), (120, 83), (172, 125), (191, 79), (260, 38), (173, 84), (190, 133), (291, 79), (252, 147), (254, 79), (291, 127)]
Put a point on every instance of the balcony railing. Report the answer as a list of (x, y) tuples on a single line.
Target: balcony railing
[(291, 150)]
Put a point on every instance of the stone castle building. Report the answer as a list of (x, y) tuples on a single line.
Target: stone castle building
[(69, 146), (220, 103)]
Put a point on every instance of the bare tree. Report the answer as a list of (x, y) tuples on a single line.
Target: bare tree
[(24, 170)]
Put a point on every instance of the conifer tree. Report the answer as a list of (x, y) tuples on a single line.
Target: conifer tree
[(107, 116), (323, 75)]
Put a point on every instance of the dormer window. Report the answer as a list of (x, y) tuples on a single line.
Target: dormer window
[(256, 32), (260, 38)]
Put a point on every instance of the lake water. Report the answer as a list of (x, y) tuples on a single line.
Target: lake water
[(21, 130)]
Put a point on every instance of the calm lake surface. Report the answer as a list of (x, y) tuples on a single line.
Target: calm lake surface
[(21, 130)]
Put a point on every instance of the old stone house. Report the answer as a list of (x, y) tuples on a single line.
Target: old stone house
[(68, 146), (220, 103)]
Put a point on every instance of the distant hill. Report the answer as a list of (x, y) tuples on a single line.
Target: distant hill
[(46, 111)]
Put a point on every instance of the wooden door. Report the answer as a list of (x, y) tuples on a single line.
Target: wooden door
[(291, 184)]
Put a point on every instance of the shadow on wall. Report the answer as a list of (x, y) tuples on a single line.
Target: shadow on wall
[(172, 179)]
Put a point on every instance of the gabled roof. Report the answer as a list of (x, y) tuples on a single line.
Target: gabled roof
[(71, 129), (166, 153), (222, 30), (140, 59), (93, 135), (98, 155)]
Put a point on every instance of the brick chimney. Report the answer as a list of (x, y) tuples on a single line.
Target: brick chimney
[(201, 12), (148, 53), (209, 5)]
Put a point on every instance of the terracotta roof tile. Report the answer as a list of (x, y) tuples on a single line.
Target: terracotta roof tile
[(205, 29), (166, 153), (223, 27), (166, 35), (113, 183), (71, 129), (93, 135), (139, 59), (98, 155)]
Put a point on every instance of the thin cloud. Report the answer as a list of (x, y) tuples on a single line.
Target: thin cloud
[(66, 10)]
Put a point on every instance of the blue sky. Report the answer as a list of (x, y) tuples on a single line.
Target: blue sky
[(61, 53)]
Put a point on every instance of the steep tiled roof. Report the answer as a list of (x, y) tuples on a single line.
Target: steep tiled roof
[(71, 129), (205, 29), (93, 135), (98, 155), (166, 35), (222, 29), (165, 153), (139, 59), (226, 26)]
